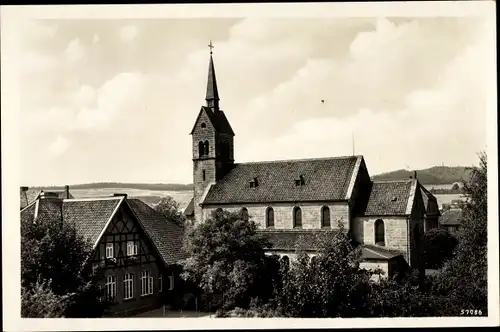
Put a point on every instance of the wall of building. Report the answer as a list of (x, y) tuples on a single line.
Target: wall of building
[(123, 228), (396, 232), (283, 214)]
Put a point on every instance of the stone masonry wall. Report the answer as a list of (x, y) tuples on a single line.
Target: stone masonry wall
[(396, 232), (283, 214)]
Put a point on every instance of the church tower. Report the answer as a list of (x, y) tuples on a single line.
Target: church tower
[(213, 142)]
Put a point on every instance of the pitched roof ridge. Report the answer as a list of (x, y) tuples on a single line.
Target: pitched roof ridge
[(27, 206), (297, 160), (121, 199), (87, 199)]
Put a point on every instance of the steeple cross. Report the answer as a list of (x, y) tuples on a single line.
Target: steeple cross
[(210, 46)]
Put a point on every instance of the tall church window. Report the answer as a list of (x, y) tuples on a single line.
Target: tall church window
[(270, 217), (201, 149), (379, 232), (204, 175), (207, 149), (244, 214), (297, 217), (325, 216)]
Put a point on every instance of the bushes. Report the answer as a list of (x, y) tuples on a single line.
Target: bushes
[(438, 246), (39, 301)]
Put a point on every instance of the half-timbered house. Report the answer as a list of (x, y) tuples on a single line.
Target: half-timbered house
[(138, 247)]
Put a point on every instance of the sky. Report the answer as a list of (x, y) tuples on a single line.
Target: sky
[(115, 100)]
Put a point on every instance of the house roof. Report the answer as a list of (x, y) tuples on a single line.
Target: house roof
[(388, 198), (32, 194), (451, 217), (326, 179), (91, 217), (218, 120), (189, 210), (287, 239), (164, 234), (430, 201), (377, 253)]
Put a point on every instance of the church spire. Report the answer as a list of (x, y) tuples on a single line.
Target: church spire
[(212, 97)]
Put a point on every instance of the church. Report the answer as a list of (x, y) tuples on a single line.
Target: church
[(292, 199)]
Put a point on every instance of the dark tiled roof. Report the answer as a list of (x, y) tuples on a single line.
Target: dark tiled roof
[(165, 234), (451, 217), (388, 198), (32, 194), (287, 239), (90, 216), (371, 252), (325, 180), (218, 120), (28, 214), (189, 210)]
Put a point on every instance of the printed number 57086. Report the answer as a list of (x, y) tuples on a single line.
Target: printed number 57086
[(471, 312)]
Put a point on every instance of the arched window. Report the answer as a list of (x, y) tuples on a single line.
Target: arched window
[(201, 149), (270, 217), (297, 217), (204, 175), (285, 262), (379, 232), (207, 149), (244, 214), (325, 216), (203, 125)]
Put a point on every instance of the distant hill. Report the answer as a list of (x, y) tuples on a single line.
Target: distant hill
[(143, 186), (433, 175)]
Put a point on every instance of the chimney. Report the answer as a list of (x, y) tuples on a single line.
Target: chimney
[(120, 195), (24, 196), (66, 187), (48, 194), (414, 174)]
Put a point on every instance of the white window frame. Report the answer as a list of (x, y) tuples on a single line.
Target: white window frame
[(111, 287), (128, 283), (146, 283), (131, 248), (160, 283), (171, 282), (110, 250)]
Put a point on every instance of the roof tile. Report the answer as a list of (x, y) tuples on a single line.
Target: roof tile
[(326, 179), (388, 198)]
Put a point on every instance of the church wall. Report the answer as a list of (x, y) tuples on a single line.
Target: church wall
[(230, 140), (203, 134), (396, 232), (283, 214)]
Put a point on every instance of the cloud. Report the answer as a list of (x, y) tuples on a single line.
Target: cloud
[(75, 51), (117, 96), (59, 146), (128, 33), (95, 38)]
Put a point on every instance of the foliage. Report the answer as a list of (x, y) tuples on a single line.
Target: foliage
[(464, 277), (227, 259), (39, 301), (438, 246), (170, 209), (455, 186), (54, 256), (328, 285)]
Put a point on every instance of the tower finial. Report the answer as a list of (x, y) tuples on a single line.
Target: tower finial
[(210, 46), (212, 96)]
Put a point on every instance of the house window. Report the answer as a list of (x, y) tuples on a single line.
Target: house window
[(201, 149), (270, 217), (325, 216), (204, 175), (128, 283), (206, 148), (109, 250), (379, 232), (244, 214), (203, 125), (146, 283), (160, 283), (111, 287), (131, 248), (297, 217), (171, 282)]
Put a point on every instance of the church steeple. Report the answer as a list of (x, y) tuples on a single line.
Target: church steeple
[(212, 97)]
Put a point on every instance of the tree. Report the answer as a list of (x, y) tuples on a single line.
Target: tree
[(170, 209), (227, 259), (464, 277), (54, 266), (438, 246), (455, 186), (329, 284)]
